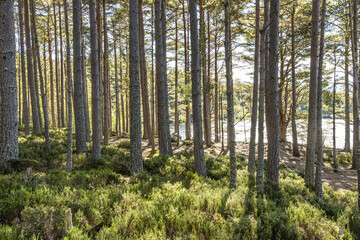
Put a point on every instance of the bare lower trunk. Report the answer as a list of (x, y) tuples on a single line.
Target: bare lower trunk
[(8, 89), (187, 97)]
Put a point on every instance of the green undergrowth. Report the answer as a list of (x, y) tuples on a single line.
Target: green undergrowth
[(167, 201)]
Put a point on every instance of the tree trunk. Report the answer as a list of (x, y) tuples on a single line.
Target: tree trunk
[(26, 117), (263, 74), (99, 43), (57, 70), (295, 146), (335, 164), (187, 82), (33, 49), (69, 78), (105, 78), (229, 93), (251, 166), (136, 163), (122, 92), (79, 109), (311, 134), (143, 78), (117, 103), (62, 82), (216, 99), (43, 98), (347, 101), (95, 95), (30, 69), (354, 42), (152, 81), (176, 80), (199, 157), (272, 97), (8, 89), (319, 143)]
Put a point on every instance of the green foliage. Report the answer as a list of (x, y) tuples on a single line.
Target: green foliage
[(168, 200)]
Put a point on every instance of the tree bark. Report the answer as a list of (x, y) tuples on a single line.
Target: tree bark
[(8, 88), (62, 92), (176, 80), (95, 96), (263, 74), (272, 97), (117, 102), (30, 69), (80, 130), (69, 86), (230, 104), (335, 164), (347, 101), (136, 163), (254, 109), (105, 78), (57, 71), (26, 117), (311, 134), (319, 143), (199, 157), (216, 107)]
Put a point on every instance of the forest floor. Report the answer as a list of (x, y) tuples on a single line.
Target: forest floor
[(344, 179)]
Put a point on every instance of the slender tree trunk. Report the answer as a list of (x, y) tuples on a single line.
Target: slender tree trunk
[(105, 78), (163, 113), (229, 93), (199, 157), (52, 96), (99, 42), (263, 74), (57, 70), (355, 85), (272, 96), (295, 150), (335, 164), (311, 134), (143, 78), (136, 163), (95, 96), (152, 81), (319, 143), (347, 101), (80, 130), (33, 48), (117, 103), (69, 79), (222, 120), (8, 90), (187, 82), (26, 117), (251, 166), (62, 81), (30, 69), (216, 107), (43, 98), (122, 92), (176, 81)]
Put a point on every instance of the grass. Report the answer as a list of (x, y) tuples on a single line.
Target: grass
[(167, 201)]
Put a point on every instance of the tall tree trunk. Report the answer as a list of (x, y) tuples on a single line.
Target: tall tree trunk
[(335, 164), (222, 120), (152, 81), (229, 93), (57, 70), (206, 87), (117, 102), (105, 78), (163, 113), (216, 110), (272, 96), (52, 95), (122, 92), (347, 101), (79, 110), (199, 157), (311, 133), (8, 90), (95, 95), (263, 74), (69, 78), (30, 69), (26, 117), (319, 143), (187, 82), (354, 42), (143, 78), (176, 81), (43, 97), (295, 146), (62, 91), (254, 109), (99, 43), (33, 48), (136, 163)]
